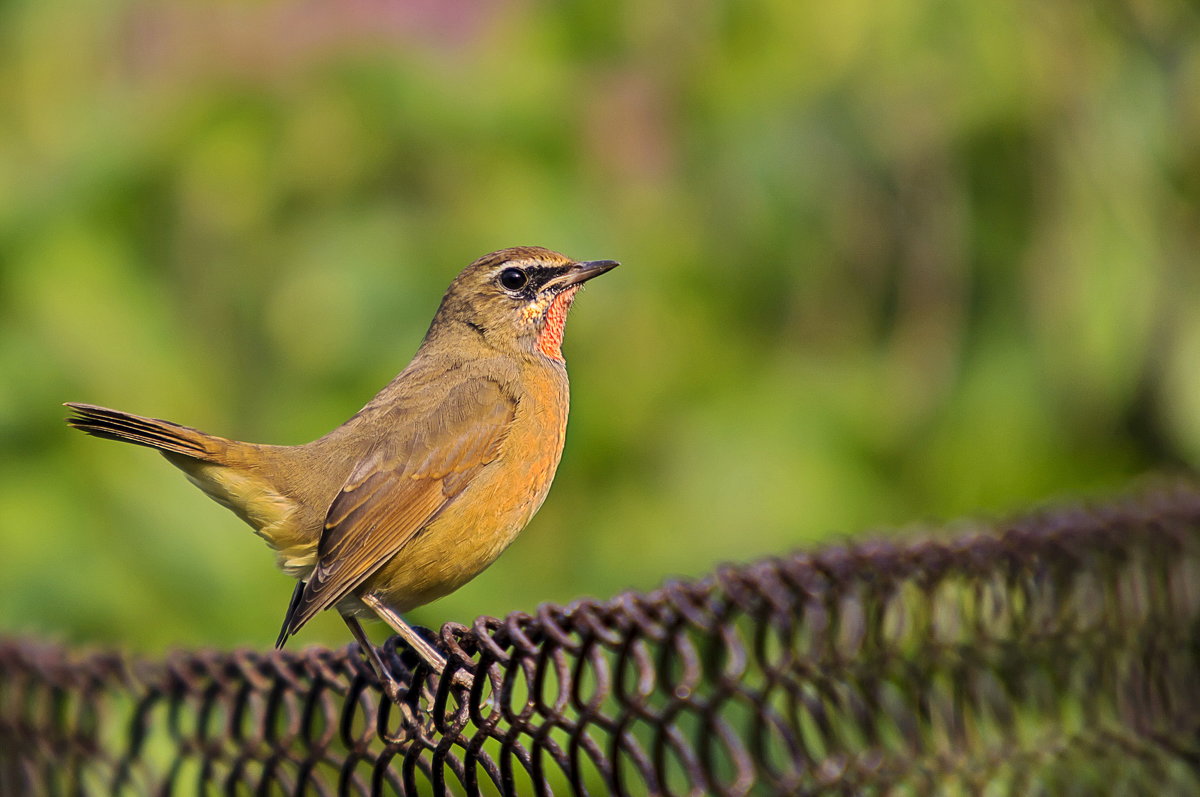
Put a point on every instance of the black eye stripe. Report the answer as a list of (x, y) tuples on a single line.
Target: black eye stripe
[(535, 277)]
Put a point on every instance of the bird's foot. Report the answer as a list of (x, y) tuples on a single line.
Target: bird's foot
[(462, 678), (393, 689)]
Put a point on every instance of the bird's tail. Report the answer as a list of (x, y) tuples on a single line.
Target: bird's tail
[(151, 432)]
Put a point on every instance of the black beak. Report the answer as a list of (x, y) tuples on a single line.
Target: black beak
[(582, 272)]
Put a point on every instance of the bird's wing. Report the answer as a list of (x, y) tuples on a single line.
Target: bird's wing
[(399, 488)]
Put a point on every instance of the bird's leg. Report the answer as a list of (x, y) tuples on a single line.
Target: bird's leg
[(391, 687), (435, 660)]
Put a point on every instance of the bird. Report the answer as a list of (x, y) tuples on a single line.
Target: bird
[(425, 486)]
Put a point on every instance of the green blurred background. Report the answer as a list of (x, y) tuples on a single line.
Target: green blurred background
[(884, 263)]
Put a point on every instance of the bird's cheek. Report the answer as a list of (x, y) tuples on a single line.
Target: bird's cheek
[(532, 313)]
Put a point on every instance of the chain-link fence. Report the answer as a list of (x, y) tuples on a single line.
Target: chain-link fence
[(1053, 655)]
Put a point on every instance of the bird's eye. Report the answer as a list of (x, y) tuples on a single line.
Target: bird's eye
[(513, 279)]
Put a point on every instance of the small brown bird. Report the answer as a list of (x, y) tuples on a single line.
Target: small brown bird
[(429, 482)]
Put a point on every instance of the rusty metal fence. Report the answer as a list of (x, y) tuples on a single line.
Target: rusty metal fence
[(1058, 654)]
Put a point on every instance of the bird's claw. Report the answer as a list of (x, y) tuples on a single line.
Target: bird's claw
[(394, 691)]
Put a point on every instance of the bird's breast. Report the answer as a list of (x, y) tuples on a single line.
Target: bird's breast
[(487, 516)]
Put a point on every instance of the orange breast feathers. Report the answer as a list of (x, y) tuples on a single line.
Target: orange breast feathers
[(551, 337)]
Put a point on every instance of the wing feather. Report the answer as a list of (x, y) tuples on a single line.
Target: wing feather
[(400, 487)]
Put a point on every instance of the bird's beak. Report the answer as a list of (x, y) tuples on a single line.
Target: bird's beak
[(582, 272)]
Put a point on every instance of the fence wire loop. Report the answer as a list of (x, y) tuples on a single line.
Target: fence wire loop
[(1057, 652)]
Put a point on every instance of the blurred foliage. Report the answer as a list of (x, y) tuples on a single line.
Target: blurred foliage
[(883, 263)]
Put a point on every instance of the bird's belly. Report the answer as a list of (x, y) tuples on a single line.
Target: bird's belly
[(475, 528)]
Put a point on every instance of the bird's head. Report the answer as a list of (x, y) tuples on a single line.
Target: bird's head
[(517, 299)]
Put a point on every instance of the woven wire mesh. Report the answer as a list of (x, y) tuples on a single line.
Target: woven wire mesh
[(1057, 654)]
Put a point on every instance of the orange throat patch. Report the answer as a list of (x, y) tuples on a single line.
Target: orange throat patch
[(551, 337)]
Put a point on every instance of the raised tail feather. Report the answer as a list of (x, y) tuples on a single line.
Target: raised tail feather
[(151, 432)]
